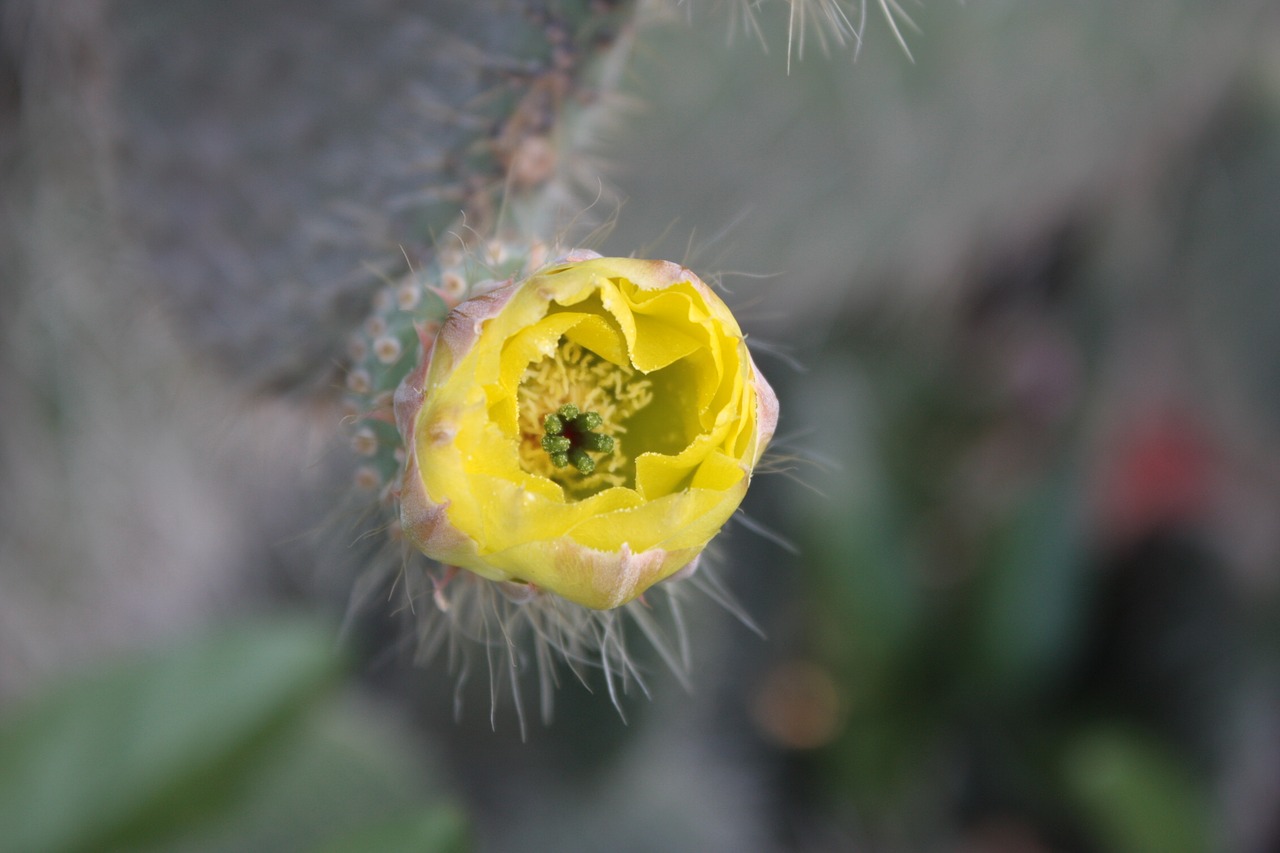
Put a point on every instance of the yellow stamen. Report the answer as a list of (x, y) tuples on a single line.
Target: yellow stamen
[(580, 377)]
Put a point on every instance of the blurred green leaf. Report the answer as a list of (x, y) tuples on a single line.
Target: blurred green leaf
[(132, 754), (1134, 795), (436, 830), (1029, 602), (349, 765), (856, 536)]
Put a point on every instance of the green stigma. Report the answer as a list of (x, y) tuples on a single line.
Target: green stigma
[(570, 435)]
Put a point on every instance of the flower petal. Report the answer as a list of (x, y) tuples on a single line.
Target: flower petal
[(469, 501)]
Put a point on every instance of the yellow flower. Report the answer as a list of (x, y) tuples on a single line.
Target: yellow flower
[(585, 431)]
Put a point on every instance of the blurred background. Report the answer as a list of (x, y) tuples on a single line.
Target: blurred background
[(1018, 292)]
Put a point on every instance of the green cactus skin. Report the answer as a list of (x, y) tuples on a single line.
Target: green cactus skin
[(393, 338), (278, 162), (496, 214)]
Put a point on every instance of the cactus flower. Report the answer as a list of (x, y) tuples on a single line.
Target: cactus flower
[(585, 431)]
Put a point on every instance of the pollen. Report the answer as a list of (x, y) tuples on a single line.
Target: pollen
[(576, 380)]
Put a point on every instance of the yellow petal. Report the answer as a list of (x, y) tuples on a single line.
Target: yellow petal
[(467, 497)]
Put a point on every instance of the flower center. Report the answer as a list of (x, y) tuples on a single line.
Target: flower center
[(574, 407), (570, 434)]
